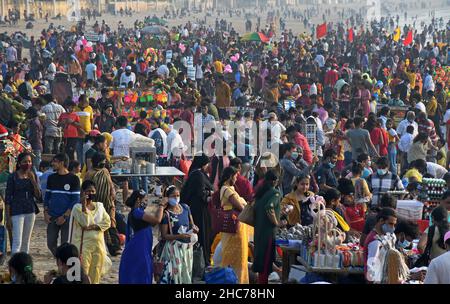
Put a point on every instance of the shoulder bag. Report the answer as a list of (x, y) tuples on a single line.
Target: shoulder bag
[(227, 220), (247, 215)]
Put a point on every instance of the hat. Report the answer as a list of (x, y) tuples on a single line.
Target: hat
[(128, 68), (346, 186), (446, 236), (94, 133)]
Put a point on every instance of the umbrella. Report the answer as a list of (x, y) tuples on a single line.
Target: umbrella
[(255, 36), (156, 20), (155, 30)]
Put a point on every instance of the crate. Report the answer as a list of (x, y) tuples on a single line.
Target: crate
[(410, 209)]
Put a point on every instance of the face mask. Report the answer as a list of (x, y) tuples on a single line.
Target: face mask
[(404, 244), (91, 197), (294, 155), (173, 201), (25, 167), (332, 165), (387, 229), (381, 172)]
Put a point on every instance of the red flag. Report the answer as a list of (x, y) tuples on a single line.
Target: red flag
[(409, 39), (321, 30), (350, 35)]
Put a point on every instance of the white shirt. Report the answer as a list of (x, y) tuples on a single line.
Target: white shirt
[(122, 139), (91, 70), (175, 144), (163, 70), (276, 131), (436, 170), (52, 112), (421, 106), (313, 89), (438, 271), (446, 116), (125, 79), (51, 71), (401, 129), (163, 138), (406, 142), (428, 83), (320, 60)]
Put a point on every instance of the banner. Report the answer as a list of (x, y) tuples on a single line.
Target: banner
[(321, 30)]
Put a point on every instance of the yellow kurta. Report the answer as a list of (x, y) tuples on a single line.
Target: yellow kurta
[(235, 245), (94, 258)]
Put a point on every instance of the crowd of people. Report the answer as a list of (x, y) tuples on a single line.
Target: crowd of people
[(328, 106)]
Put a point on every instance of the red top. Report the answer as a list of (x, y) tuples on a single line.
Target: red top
[(331, 77), (355, 216), (381, 139), (244, 188), (70, 131), (300, 140)]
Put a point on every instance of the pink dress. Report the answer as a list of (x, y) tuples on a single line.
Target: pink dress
[(365, 101)]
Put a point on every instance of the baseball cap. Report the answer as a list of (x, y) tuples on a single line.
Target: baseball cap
[(94, 133), (446, 236), (128, 68)]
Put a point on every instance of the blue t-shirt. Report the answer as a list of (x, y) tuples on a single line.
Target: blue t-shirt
[(178, 220)]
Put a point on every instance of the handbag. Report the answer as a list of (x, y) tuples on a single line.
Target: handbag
[(221, 275), (158, 262), (198, 263), (247, 215), (227, 220)]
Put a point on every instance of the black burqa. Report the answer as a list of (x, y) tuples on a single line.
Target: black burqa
[(195, 193)]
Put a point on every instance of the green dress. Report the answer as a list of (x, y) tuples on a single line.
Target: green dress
[(265, 231)]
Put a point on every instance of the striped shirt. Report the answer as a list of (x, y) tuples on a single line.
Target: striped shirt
[(379, 185), (63, 192)]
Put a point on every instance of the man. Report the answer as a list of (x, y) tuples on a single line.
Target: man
[(207, 121), (409, 121), (386, 221), (53, 133), (26, 90), (300, 140), (103, 101), (438, 271), (175, 145), (62, 255), (383, 181), (289, 169), (120, 146), (127, 77), (159, 135), (359, 139), (11, 55), (242, 185), (163, 71), (427, 126), (85, 114), (70, 124), (91, 71), (63, 192), (276, 128), (326, 178), (223, 95)]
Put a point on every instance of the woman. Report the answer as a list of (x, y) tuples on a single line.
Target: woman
[(267, 217), (435, 247), (378, 137), (234, 245), (136, 263), (195, 193), (178, 230), (21, 269), (88, 221), (22, 192), (392, 147), (106, 121), (299, 195), (362, 192), (106, 195), (419, 148)]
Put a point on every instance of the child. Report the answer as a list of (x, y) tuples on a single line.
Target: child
[(405, 144), (442, 153), (45, 170)]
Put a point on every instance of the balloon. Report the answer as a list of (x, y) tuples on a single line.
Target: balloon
[(237, 56), (233, 58), (182, 47), (77, 48), (79, 42), (84, 42)]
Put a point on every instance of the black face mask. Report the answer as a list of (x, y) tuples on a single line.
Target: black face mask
[(91, 197), (128, 73)]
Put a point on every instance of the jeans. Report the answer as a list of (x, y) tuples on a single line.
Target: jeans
[(71, 145), (22, 227), (138, 183), (392, 153), (79, 150), (53, 231), (36, 159), (52, 144)]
